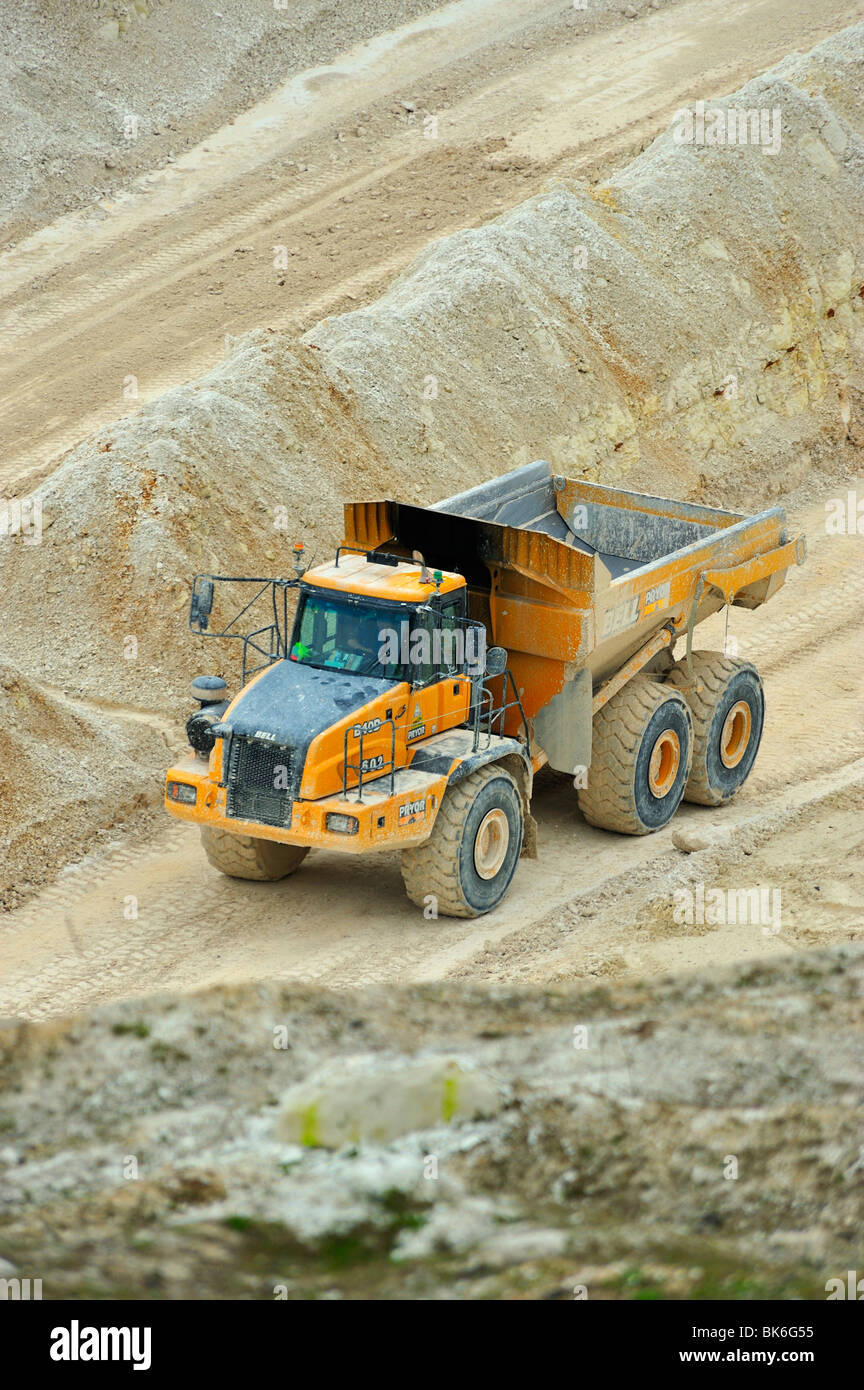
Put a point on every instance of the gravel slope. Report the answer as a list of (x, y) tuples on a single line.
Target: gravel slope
[(691, 1138)]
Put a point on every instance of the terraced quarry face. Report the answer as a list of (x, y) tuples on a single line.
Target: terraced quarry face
[(356, 277)]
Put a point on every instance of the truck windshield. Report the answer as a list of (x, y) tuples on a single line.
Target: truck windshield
[(337, 634)]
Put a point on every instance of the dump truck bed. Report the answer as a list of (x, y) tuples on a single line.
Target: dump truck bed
[(619, 563), (574, 578)]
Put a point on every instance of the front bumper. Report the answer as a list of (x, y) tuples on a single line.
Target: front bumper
[(383, 821)]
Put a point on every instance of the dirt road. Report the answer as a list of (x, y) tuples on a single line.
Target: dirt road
[(153, 917), (149, 290), (352, 168)]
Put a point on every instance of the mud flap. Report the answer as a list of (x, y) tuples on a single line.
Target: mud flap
[(529, 837), (563, 728)]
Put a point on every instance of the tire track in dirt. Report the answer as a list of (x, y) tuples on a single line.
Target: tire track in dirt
[(332, 925), (344, 922)]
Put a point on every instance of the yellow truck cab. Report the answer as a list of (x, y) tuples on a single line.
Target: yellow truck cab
[(349, 742)]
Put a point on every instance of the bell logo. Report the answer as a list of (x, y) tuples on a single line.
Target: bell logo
[(852, 1288)]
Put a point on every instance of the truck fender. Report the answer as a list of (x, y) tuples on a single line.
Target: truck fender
[(512, 756)]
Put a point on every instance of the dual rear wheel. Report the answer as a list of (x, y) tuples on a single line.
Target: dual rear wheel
[(658, 743), (728, 707)]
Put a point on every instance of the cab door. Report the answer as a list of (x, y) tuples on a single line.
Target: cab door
[(442, 690)]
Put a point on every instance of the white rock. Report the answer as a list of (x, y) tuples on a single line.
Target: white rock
[(372, 1100), (452, 1229), (513, 1247), (690, 841)]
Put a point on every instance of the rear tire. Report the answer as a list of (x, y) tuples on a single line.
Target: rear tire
[(728, 708), (640, 759), (468, 861), (246, 856)]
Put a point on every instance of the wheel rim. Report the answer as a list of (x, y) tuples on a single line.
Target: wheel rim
[(664, 764), (735, 734), (491, 842)]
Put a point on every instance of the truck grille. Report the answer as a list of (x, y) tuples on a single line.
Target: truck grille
[(261, 781)]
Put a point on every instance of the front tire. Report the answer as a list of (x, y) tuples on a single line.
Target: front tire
[(246, 856), (640, 759), (728, 707), (468, 861)]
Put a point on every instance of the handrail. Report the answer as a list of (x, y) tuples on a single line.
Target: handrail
[(496, 712), (488, 720), (270, 655), (358, 766)]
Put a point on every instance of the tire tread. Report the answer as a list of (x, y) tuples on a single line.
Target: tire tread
[(433, 867), (712, 672), (246, 856), (609, 799)]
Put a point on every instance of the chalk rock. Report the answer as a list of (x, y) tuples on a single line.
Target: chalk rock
[(375, 1101), (690, 841)]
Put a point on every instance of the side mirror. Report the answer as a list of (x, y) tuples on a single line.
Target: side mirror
[(201, 605), (496, 661)]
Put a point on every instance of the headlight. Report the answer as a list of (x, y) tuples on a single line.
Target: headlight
[(344, 825), (181, 791)]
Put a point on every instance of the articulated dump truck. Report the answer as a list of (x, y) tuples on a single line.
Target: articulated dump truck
[(404, 695)]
